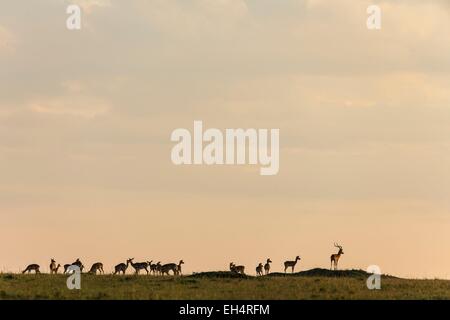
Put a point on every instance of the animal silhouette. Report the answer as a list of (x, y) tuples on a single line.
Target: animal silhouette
[(121, 267), (154, 268), (237, 269), (175, 268), (291, 264), (32, 267), (76, 263), (259, 269), (53, 267), (335, 257), (267, 266), (138, 266), (98, 266)]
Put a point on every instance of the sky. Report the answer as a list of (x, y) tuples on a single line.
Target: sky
[(364, 116)]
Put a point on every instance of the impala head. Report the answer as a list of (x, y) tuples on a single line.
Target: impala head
[(181, 262), (269, 261), (129, 260), (297, 258), (53, 260), (340, 248)]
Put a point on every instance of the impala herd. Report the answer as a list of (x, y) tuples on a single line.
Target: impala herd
[(164, 269)]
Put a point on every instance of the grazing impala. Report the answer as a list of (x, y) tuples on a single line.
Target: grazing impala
[(236, 269), (291, 264), (335, 257), (98, 266), (138, 266), (259, 269), (267, 266), (175, 268), (76, 263), (32, 267), (121, 267)]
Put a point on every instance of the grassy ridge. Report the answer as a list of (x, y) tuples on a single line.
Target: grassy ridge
[(220, 285)]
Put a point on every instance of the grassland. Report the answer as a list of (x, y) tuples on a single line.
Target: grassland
[(221, 285)]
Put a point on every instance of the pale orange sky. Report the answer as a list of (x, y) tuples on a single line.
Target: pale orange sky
[(364, 119)]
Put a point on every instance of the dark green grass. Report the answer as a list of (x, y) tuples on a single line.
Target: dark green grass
[(312, 284)]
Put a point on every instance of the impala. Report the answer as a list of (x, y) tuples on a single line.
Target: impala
[(138, 266), (53, 267), (32, 267), (236, 269), (175, 268), (267, 266), (98, 266), (121, 267), (335, 257), (259, 269), (154, 267), (291, 264), (76, 263)]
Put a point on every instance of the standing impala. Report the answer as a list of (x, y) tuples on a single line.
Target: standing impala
[(154, 267), (291, 264), (335, 257), (267, 266), (158, 268), (53, 267), (138, 266), (175, 268), (259, 269)]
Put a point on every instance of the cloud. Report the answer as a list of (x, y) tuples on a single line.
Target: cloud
[(194, 19), (7, 41), (85, 107), (88, 6)]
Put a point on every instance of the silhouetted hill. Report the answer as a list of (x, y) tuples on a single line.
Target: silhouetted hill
[(317, 272), (219, 274)]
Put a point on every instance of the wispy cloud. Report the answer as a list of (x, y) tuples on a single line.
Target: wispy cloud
[(7, 41), (88, 6), (86, 107)]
